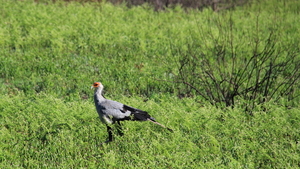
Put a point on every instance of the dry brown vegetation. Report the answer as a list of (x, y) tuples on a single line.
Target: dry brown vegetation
[(215, 5)]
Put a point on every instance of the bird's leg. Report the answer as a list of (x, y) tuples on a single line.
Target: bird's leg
[(110, 136), (119, 128)]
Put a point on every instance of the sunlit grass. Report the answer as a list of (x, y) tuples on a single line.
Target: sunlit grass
[(62, 48), (47, 132), (50, 54)]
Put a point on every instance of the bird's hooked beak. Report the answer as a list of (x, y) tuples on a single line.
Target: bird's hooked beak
[(92, 87)]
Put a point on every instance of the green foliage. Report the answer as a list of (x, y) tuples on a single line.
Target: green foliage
[(62, 48), (46, 132), (50, 54)]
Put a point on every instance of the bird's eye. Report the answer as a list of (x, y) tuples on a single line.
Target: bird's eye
[(96, 84)]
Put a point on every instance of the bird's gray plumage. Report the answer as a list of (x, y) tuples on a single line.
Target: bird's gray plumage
[(112, 111), (109, 110)]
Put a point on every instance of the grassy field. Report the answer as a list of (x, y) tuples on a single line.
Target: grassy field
[(46, 132), (50, 54)]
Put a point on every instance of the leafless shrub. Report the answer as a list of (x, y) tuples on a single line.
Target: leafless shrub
[(227, 77)]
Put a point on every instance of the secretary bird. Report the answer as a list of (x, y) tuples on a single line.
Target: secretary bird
[(111, 112)]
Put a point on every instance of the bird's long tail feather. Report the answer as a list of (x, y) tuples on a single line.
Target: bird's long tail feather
[(160, 125)]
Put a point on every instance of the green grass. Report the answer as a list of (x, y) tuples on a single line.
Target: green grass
[(46, 132), (62, 48), (50, 54)]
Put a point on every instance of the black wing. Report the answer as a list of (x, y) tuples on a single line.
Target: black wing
[(138, 114)]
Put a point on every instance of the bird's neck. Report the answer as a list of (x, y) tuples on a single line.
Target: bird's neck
[(98, 95)]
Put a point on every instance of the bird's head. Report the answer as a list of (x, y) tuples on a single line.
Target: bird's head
[(97, 85)]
